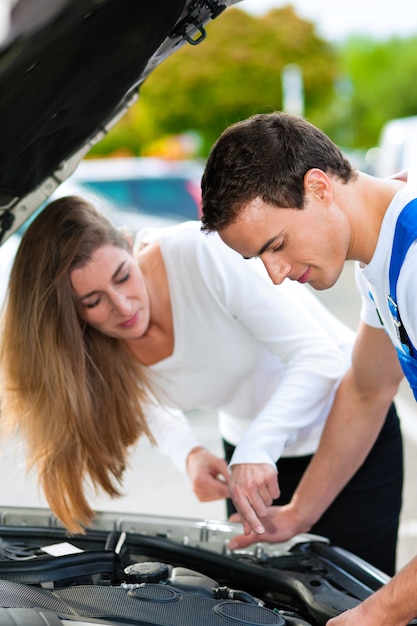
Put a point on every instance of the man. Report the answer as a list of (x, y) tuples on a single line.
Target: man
[(276, 187)]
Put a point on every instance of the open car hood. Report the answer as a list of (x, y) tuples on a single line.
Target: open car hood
[(136, 569), (69, 69)]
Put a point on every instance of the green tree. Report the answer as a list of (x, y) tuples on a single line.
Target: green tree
[(350, 90), (234, 73), (383, 76)]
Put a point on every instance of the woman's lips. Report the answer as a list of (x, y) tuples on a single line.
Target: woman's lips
[(130, 322)]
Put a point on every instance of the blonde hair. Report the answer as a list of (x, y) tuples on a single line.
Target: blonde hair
[(74, 394)]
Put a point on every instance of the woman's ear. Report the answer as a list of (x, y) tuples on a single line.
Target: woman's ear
[(317, 184)]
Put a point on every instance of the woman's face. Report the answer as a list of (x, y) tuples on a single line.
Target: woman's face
[(112, 293)]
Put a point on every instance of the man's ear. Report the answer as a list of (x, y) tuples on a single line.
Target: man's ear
[(318, 184)]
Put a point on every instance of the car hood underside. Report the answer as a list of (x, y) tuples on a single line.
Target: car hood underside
[(65, 81)]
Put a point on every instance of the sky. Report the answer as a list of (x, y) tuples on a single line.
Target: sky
[(335, 20)]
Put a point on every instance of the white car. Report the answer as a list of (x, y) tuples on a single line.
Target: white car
[(397, 149)]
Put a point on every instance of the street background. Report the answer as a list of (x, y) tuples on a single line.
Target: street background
[(153, 485)]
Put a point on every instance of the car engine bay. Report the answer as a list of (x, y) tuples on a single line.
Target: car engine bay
[(133, 569)]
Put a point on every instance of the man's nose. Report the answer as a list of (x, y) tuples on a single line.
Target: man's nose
[(277, 270)]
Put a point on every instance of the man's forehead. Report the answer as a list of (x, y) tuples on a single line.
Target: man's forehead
[(246, 238), (258, 227)]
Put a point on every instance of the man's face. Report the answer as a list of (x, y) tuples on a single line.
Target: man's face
[(308, 245)]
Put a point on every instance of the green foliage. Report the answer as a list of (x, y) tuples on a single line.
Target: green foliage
[(350, 91), (234, 73), (384, 75)]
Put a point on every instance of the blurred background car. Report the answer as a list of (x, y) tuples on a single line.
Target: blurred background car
[(397, 149), (132, 192), (140, 190)]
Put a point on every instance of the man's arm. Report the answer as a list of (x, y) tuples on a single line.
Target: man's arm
[(292, 325), (352, 427), (395, 604), (355, 420)]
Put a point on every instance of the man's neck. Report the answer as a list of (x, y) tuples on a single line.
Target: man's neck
[(365, 203)]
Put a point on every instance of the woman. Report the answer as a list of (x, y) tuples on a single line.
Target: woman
[(102, 345)]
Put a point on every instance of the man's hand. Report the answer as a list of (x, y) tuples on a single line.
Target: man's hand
[(373, 611), (394, 604), (350, 618), (281, 523), (209, 475), (253, 487)]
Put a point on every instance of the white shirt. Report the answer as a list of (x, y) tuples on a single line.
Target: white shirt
[(267, 358), (374, 277)]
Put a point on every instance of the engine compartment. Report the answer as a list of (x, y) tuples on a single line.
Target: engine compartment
[(168, 572)]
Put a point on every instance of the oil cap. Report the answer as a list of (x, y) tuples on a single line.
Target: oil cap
[(148, 572)]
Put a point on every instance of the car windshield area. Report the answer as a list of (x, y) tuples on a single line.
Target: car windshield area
[(157, 196)]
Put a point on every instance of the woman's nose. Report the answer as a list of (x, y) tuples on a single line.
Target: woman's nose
[(121, 304)]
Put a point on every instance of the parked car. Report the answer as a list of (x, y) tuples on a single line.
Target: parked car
[(68, 70), (132, 192), (154, 186), (397, 148), (138, 192)]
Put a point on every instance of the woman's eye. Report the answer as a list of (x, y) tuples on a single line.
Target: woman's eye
[(91, 305), (124, 278)]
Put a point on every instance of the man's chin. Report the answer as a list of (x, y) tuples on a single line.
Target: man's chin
[(320, 285)]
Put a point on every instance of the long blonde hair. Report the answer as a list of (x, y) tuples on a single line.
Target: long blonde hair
[(74, 394)]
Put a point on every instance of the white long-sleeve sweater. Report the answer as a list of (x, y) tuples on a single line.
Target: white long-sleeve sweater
[(267, 358)]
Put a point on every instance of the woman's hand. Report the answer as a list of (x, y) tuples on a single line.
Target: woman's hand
[(253, 488), (209, 475)]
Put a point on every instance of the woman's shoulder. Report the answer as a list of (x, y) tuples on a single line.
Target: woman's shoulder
[(186, 247), (186, 241), (176, 234)]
